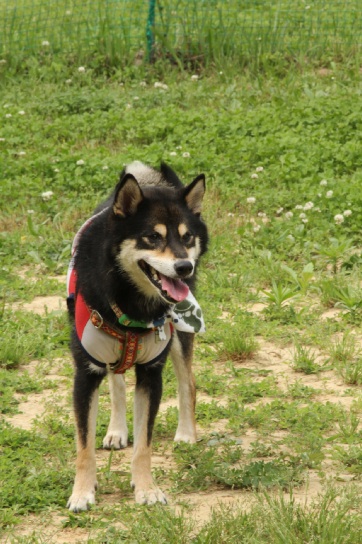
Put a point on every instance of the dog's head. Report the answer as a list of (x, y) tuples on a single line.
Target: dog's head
[(161, 236)]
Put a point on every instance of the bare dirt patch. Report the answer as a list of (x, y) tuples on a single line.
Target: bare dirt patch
[(42, 305), (198, 506)]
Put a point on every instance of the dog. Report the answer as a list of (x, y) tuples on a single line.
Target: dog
[(130, 303)]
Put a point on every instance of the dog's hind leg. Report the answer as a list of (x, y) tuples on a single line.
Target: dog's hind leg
[(117, 433), (147, 400), (85, 398), (181, 355)]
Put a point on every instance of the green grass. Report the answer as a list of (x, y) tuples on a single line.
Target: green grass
[(189, 33), (270, 419)]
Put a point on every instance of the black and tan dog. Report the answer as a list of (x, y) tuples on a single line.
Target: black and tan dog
[(129, 297)]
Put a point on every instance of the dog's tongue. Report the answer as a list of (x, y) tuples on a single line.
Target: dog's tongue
[(176, 289)]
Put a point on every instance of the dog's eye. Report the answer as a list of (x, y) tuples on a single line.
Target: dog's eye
[(154, 237), (187, 237)]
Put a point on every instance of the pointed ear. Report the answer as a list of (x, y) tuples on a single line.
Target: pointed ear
[(128, 196), (194, 193)]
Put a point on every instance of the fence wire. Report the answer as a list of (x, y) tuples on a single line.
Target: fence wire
[(205, 29)]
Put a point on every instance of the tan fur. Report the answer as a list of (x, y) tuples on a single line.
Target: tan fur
[(182, 229), (146, 491), (161, 229), (186, 430), (85, 482), (117, 433)]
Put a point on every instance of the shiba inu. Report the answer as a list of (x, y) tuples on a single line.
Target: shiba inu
[(130, 300)]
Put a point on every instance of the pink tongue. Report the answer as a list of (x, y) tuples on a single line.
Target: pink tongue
[(176, 289)]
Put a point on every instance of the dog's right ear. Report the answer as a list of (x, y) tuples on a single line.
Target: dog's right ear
[(128, 196)]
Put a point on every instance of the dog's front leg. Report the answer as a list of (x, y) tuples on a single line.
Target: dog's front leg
[(117, 433), (181, 355), (85, 397), (147, 400)]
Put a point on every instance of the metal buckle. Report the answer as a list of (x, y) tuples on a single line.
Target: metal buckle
[(96, 319)]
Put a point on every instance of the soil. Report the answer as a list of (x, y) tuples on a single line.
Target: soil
[(328, 387)]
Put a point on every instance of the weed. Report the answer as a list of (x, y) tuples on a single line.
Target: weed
[(347, 360), (279, 294), (304, 359), (350, 457)]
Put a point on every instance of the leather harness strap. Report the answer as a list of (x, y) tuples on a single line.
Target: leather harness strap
[(128, 342)]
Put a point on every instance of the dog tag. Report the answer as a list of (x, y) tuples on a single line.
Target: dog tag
[(160, 335)]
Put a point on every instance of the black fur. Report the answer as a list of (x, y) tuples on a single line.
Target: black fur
[(100, 278)]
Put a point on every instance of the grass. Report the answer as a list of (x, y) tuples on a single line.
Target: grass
[(281, 156), (189, 33)]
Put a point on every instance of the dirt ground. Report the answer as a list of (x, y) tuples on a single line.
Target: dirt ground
[(268, 357)]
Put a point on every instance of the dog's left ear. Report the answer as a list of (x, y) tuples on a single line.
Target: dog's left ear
[(194, 193), (128, 197)]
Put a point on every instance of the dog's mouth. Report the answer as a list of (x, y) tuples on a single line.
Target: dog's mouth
[(171, 289)]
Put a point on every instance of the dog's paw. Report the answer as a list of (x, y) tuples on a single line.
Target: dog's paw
[(116, 440), (150, 496), (78, 502), (188, 437)]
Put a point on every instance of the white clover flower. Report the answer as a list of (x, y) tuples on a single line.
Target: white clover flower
[(347, 213), (254, 176), (261, 214), (68, 12), (308, 206), (256, 228), (279, 210), (105, 167), (299, 207), (291, 238), (21, 153), (186, 155), (159, 85), (143, 84), (47, 195), (56, 170), (231, 214), (179, 147), (339, 218), (173, 154), (21, 112), (259, 168), (3, 61), (289, 215), (251, 200), (80, 162), (302, 216), (323, 183), (195, 77), (317, 210), (30, 212), (304, 220), (68, 81), (2, 139), (329, 194), (45, 43), (8, 115), (81, 69)]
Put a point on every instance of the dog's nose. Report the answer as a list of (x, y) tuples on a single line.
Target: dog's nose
[(183, 268)]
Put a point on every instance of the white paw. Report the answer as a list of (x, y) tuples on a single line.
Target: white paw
[(150, 496), (79, 502), (185, 436), (115, 439)]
